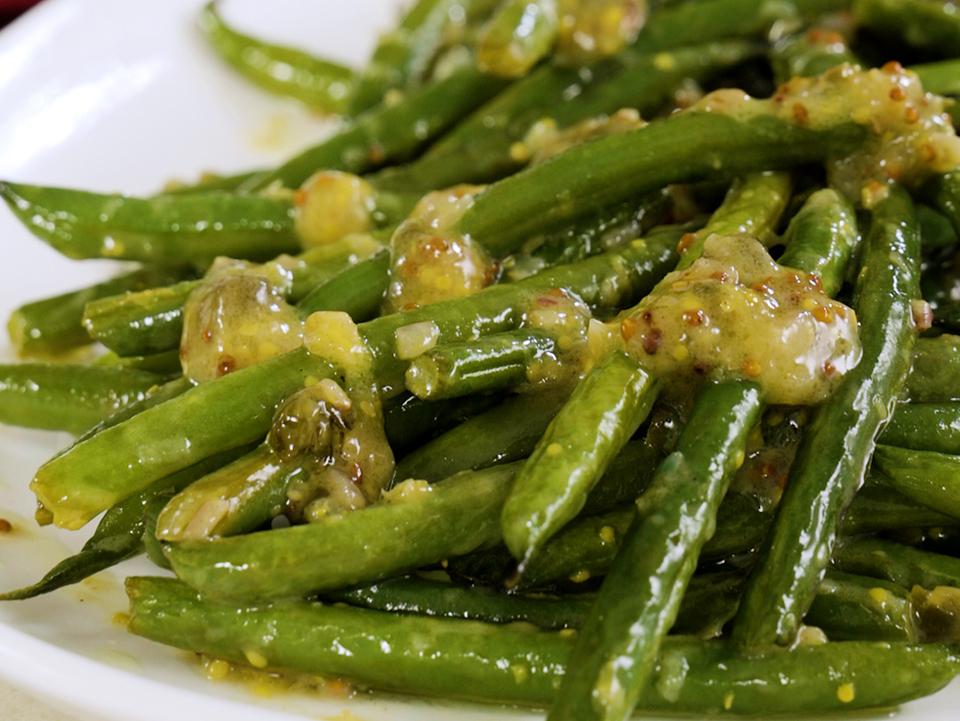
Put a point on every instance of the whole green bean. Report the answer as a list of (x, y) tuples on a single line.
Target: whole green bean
[(685, 147), (166, 229), (54, 325), (68, 397), (431, 524), (591, 428), (832, 460), (427, 524), (894, 562), (505, 433), (210, 418), (821, 238), (638, 602), (321, 84), (466, 659), (119, 535)]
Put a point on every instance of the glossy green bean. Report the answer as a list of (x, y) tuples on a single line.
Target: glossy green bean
[(210, 418), (54, 325), (495, 362), (927, 477), (517, 37), (505, 433), (591, 428), (119, 535), (638, 602), (925, 427), (930, 24), (896, 563), (68, 397), (821, 239), (321, 84), (832, 460), (466, 659), (935, 375), (166, 229)]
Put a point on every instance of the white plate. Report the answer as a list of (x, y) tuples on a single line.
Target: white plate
[(119, 95)]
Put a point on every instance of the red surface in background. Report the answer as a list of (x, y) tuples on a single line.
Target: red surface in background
[(9, 9)]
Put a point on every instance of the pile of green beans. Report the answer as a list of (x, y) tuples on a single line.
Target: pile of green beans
[(493, 492)]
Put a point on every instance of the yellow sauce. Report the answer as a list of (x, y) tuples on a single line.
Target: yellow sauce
[(331, 205), (235, 319), (431, 261), (737, 313)]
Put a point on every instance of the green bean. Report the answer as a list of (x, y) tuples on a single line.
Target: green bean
[(70, 398), (423, 597), (586, 548), (943, 193), (507, 432), (151, 321), (454, 517), (152, 397), (517, 37), (927, 477), (410, 422), (929, 24), (617, 649), (356, 290), (403, 55), (821, 239), (936, 231), (119, 535), (120, 460), (591, 428), (466, 659), (237, 498), (942, 78), (896, 563), (163, 229), (166, 363), (54, 325), (389, 132), (935, 376), (852, 608), (321, 84), (753, 205), (482, 147), (614, 279), (686, 147), (496, 362), (836, 448), (925, 427), (811, 53), (591, 30), (208, 182)]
